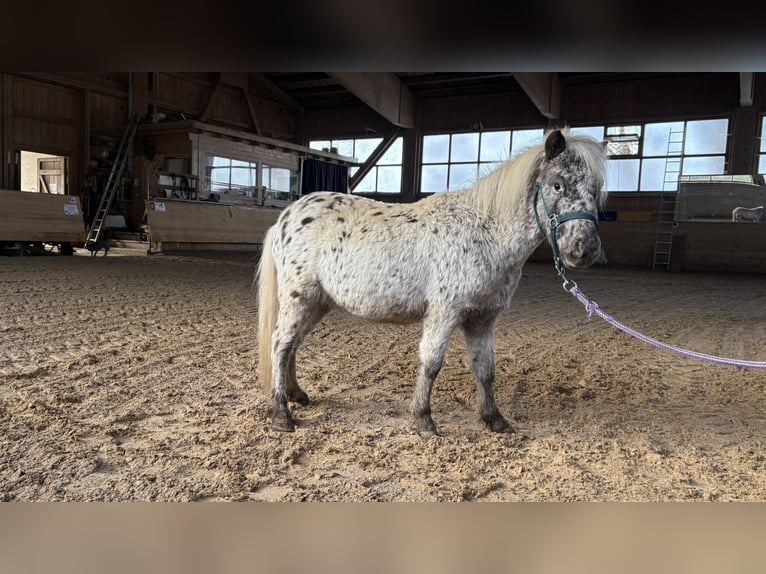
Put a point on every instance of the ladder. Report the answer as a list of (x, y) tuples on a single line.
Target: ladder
[(666, 214), (113, 181)]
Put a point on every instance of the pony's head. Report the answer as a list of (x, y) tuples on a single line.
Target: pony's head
[(567, 195)]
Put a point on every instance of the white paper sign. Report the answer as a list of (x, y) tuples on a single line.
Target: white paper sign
[(70, 209), (159, 206)]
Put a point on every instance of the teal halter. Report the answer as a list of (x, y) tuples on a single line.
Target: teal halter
[(554, 220)]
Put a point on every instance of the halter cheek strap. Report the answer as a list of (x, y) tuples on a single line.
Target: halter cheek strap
[(554, 220)]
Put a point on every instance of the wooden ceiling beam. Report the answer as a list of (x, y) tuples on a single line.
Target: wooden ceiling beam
[(745, 89), (384, 92), (544, 89), (275, 91)]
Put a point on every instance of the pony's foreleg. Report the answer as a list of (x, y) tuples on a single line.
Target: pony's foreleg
[(479, 338), (433, 346)]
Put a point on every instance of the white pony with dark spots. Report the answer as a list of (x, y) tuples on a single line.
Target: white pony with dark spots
[(449, 260)]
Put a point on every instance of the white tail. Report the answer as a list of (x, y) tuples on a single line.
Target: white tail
[(268, 307)]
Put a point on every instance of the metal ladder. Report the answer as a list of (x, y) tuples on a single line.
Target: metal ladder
[(113, 181), (666, 214)]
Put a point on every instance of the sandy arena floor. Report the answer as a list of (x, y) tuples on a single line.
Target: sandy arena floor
[(126, 378)]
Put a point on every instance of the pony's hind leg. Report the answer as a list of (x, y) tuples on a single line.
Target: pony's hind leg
[(296, 319), (479, 338), (294, 392)]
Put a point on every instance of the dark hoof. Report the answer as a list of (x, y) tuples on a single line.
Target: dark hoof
[(281, 420), (424, 426), (498, 424), (298, 396)]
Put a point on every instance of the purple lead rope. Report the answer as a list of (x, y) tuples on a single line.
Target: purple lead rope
[(592, 309)]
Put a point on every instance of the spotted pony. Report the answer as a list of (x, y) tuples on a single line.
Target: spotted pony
[(451, 260)]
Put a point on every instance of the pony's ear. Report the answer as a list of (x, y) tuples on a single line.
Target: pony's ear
[(554, 144)]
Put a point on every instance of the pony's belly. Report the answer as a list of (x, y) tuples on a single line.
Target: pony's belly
[(382, 308)]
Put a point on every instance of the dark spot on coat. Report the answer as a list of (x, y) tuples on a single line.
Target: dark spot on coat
[(341, 220), (295, 294), (306, 220), (377, 213), (436, 231)]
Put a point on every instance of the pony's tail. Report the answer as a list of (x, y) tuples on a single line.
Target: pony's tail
[(268, 307)]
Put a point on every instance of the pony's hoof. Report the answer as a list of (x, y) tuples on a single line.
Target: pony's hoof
[(299, 396), (425, 427), (281, 420), (498, 424)]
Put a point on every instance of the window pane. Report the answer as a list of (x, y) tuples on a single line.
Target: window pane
[(522, 139), (622, 175), (242, 176), (763, 134), (319, 144), (390, 179), (465, 147), (653, 175), (593, 131), (656, 138), (623, 140), (433, 178), (703, 165), (436, 149), (280, 179), (393, 154), (345, 147), (219, 161), (368, 183), (364, 147), (762, 164), (495, 146), (706, 136), (462, 175)]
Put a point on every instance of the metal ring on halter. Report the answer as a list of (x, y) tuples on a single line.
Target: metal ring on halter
[(566, 285)]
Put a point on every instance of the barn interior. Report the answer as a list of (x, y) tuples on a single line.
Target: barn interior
[(162, 162)]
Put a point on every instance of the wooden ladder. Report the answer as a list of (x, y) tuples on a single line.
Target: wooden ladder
[(666, 213)]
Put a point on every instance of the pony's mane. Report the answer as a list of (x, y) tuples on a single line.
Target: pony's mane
[(501, 191)]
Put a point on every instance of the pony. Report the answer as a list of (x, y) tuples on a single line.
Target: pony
[(450, 260), (745, 214)]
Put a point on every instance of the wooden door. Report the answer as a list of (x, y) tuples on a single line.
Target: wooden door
[(52, 175)]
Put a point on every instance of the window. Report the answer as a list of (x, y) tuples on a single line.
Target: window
[(652, 156), (280, 183), (230, 177), (457, 160), (384, 177)]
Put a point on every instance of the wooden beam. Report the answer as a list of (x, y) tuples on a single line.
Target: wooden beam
[(251, 110), (211, 98), (383, 92), (544, 89), (376, 154), (275, 91), (745, 89)]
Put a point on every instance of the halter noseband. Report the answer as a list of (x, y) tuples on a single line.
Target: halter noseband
[(554, 220)]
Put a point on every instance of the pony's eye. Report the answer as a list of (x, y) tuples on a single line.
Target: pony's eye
[(557, 186)]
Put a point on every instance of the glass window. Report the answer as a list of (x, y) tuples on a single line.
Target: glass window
[(703, 165), (622, 174), (495, 146), (706, 137), (433, 178), (376, 181), (592, 131), (657, 138), (464, 147), (523, 139), (623, 140), (436, 148), (462, 175)]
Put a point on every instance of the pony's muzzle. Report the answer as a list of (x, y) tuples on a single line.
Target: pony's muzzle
[(580, 246)]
